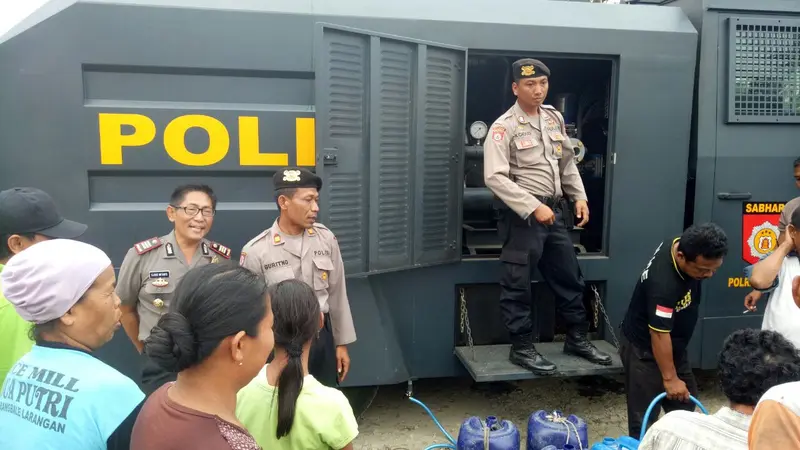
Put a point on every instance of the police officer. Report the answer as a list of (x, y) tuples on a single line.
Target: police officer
[(529, 165), (297, 246), (152, 269)]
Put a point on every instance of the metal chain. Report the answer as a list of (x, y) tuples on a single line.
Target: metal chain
[(599, 305), (465, 321), (596, 311)]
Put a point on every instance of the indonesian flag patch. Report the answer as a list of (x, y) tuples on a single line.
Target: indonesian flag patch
[(663, 312)]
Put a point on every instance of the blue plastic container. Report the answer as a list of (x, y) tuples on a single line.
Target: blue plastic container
[(553, 428), (503, 435)]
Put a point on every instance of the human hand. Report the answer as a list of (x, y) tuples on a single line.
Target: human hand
[(544, 215), (676, 390), (342, 362), (751, 299), (582, 212)]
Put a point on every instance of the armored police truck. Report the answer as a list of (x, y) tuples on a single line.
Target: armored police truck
[(109, 104)]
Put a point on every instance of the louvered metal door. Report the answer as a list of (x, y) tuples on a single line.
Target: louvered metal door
[(390, 121)]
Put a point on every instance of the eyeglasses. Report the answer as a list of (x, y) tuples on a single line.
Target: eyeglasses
[(192, 210)]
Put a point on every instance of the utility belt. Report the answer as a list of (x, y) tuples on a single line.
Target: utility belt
[(551, 202)]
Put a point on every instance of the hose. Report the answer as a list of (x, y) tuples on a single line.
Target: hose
[(452, 444)]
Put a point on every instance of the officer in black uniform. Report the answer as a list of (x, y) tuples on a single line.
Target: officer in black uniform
[(529, 164), (660, 321)]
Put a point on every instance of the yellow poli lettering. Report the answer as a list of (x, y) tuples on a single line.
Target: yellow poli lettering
[(738, 282), (113, 141), (175, 140)]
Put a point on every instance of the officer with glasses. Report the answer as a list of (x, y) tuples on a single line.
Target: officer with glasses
[(152, 269)]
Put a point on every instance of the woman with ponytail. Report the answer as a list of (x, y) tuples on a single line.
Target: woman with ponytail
[(284, 407), (216, 336)]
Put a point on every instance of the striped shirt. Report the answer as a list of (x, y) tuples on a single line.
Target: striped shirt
[(684, 430)]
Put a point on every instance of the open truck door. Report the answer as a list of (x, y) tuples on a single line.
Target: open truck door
[(389, 115)]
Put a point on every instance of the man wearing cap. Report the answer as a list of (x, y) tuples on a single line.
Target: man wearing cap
[(297, 246), (27, 216), (529, 165)]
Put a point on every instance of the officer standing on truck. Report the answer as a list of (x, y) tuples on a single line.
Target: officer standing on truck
[(529, 165), (660, 321), (152, 269), (297, 246)]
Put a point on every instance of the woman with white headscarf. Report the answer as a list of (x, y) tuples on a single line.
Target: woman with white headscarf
[(58, 395)]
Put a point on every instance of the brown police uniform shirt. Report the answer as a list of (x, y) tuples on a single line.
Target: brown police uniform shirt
[(313, 257), (526, 156), (152, 269)]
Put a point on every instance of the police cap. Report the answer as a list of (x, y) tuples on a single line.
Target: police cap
[(296, 177), (529, 68)]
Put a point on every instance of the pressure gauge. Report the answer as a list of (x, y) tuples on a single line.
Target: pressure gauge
[(478, 130)]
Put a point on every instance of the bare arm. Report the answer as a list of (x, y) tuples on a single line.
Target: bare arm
[(129, 282), (130, 323), (661, 344), (766, 270)]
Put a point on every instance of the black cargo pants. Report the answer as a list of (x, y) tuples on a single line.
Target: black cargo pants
[(643, 383), (526, 244), (322, 356)]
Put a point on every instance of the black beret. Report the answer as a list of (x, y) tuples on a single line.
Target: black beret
[(296, 177), (529, 68)]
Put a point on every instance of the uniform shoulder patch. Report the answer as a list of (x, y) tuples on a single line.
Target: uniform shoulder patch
[(220, 249), (147, 245), (498, 131), (549, 107)]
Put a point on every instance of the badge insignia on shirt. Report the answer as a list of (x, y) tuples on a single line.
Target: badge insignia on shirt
[(147, 245), (498, 133), (557, 149), (522, 119), (205, 249), (220, 250), (324, 276), (558, 137), (276, 239), (170, 251), (291, 175), (159, 274), (242, 258), (158, 303), (215, 259), (160, 282), (310, 231), (664, 312)]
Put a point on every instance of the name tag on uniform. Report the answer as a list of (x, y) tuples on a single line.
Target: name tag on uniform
[(523, 144), (159, 274)]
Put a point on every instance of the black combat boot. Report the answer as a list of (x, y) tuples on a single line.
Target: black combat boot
[(578, 344), (524, 354)]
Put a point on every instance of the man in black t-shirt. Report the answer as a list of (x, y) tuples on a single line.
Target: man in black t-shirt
[(661, 318)]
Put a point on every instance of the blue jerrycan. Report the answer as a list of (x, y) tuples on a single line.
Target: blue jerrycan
[(501, 435), (553, 428), (629, 443)]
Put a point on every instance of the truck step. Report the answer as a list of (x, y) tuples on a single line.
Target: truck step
[(491, 362)]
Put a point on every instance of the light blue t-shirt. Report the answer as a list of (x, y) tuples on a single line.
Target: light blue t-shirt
[(62, 399)]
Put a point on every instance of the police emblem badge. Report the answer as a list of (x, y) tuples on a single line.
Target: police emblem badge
[(527, 71), (760, 229), (291, 175)]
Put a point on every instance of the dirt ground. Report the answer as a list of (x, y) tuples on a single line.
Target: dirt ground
[(392, 422)]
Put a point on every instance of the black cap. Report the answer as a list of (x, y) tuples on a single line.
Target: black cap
[(529, 68), (31, 210), (296, 177)]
